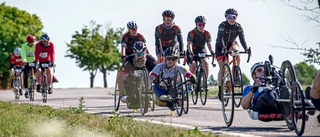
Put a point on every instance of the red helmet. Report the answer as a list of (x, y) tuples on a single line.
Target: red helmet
[(31, 38)]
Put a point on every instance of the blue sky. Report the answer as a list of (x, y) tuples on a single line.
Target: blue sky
[(263, 21)]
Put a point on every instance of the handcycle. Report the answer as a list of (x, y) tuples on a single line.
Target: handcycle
[(17, 89), (44, 84), (229, 94), (32, 80), (176, 88), (201, 87), (140, 84)]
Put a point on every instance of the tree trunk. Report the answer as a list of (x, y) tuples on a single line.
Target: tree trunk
[(105, 82), (92, 75), (4, 81)]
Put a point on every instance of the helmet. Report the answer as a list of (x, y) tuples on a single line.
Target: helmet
[(132, 25), (255, 66), (200, 19), (168, 13), (16, 51), (31, 38), (45, 37), (139, 47), (231, 11), (172, 52)]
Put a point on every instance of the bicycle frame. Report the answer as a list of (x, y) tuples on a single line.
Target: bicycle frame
[(44, 87), (32, 81), (17, 82)]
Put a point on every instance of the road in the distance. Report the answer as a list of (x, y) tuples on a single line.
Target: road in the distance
[(207, 118)]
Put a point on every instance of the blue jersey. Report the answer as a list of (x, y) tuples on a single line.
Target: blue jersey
[(247, 90)]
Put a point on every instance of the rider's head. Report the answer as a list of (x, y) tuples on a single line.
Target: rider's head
[(200, 22), (17, 51), (171, 56), (132, 27), (231, 15), (139, 51), (31, 39), (45, 39), (257, 70), (168, 17)]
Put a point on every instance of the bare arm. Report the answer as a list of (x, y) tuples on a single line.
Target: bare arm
[(315, 90)]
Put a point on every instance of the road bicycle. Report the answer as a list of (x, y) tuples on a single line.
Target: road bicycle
[(17, 89), (232, 84), (32, 81), (44, 85), (201, 87)]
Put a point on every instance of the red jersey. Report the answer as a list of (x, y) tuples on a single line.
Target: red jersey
[(16, 60), (44, 54)]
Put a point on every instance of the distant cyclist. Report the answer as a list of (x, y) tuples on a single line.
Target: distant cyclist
[(16, 62), (45, 53), (129, 38), (165, 71), (27, 54), (228, 31), (197, 40), (167, 35), (139, 59)]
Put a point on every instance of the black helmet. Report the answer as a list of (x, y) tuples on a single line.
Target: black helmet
[(171, 52), (139, 47), (132, 25), (231, 11), (168, 13), (200, 19), (255, 66)]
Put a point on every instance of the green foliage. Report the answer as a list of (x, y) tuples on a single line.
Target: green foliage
[(80, 108), (15, 26), (245, 79), (212, 81), (312, 55), (305, 73)]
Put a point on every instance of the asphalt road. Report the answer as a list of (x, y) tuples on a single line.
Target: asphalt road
[(206, 118)]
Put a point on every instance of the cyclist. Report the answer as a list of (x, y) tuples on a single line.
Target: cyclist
[(166, 35), (45, 53), (166, 71), (228, 31), (315, 92), (27, 54), (16, 62), (262, 99), (133, 62), (129, 38), (197, 38)]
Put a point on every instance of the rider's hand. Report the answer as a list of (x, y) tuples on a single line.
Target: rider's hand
[(156, 80), (193, 79), (212, 54), (123, 57)]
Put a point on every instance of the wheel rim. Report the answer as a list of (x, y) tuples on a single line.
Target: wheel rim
[(298, 113), (238, 88), (179, 89), (203, 86), (227, 110)]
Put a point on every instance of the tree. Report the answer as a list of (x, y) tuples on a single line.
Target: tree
[(305, 73), (212, 81), (15, 26), (93, 52)]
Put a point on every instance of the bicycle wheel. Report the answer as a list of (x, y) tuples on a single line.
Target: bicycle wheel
[(288, 74), (31, 89), (143, 92), (186, 98), (238, 86), (116, 95), (194, 94), (44, 89), (179, 90), (202, 86), (227, 95), (298, 113)]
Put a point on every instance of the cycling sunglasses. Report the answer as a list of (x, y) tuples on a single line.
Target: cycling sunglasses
[(172, 58), (167, 18), (231, 17), (260, 70), (201, 24), (139, 54)]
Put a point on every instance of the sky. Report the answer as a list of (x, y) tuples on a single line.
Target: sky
[(264, 23)]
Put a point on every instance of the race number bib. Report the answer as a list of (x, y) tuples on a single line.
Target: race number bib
[(30, 54), (44, 54), (18, 60)]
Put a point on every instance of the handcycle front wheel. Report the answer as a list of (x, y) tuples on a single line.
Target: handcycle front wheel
[(298, 113), (186, 98), (179, 92), (202, 85), (227, 98), (143, 93)]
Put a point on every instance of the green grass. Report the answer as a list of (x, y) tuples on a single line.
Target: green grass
[(24, 120)]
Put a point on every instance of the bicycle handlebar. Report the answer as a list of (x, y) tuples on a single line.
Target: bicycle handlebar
[(239, 52), (207, 55)]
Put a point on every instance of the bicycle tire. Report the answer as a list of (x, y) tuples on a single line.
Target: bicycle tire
[(186, 99), (18, 88), (298, 108), (31, 89), (226, 95), (194, 93), (238, 88), (202, 86), (44, 88), (179, 91), (116, 95), (143, 93)]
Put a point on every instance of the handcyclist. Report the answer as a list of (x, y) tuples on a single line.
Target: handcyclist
[(129, 38), (165, 71), (27, 54), (228, 31), (139, 59), (197, 39), (262, 99), (16, 62), (45, 53), (167, 34)]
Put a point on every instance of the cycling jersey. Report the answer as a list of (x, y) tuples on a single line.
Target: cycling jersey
[(227, 35), (168, 36), (127, 65), (15, 61), (169, 73), (199, 39), (45, 54), (128, 41), (27, 52)]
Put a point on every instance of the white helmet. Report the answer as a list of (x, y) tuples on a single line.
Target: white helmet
[(255, 66), (17, 51)]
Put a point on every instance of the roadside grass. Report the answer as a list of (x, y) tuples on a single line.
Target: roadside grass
[(25, 120)]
